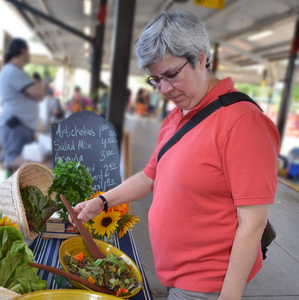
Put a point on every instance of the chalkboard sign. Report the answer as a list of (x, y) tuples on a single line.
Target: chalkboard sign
[(88, 138)]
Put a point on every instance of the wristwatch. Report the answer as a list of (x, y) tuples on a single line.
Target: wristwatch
[(104, 202)]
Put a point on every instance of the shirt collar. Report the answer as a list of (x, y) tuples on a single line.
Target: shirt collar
[(222, 87)]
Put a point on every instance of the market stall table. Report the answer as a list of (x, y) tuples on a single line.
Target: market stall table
[(46, 252)]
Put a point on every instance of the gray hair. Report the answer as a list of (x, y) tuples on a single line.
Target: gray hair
[(180, 34)]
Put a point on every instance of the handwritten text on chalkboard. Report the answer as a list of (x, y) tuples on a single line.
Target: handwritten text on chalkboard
[(88, 138)]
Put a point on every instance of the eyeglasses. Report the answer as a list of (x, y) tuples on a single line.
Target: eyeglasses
[(170, 77)]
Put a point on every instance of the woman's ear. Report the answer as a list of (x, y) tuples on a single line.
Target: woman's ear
[(202, 59)]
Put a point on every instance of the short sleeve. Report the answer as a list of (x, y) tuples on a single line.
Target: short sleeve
[(150, 169), (250, 159), (21, 81), (164, 135)]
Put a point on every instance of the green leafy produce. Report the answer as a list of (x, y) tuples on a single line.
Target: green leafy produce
[(39, 208), (73, 181), (110, 272), (15, 273)]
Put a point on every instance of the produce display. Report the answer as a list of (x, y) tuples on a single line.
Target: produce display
[(38, 208), (15, 273), (73, 181), (110, 272)]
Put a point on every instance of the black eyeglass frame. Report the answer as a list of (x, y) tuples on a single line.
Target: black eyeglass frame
[(148, 81)]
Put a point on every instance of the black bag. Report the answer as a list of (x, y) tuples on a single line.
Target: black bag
[(268, 237), (223, 100), (13, 122)]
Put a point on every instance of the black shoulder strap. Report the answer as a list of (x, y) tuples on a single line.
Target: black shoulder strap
[(223, 100)]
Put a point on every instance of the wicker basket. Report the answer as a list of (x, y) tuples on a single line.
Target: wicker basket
[(11, 204)]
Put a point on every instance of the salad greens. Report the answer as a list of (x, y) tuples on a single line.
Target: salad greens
[(110, 272), (73, 181), (38, 208), (16, 274)]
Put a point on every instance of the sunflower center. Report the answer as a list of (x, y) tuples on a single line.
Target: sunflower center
[(106, 221)]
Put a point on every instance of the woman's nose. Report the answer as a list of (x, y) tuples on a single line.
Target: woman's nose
[(165, 87)]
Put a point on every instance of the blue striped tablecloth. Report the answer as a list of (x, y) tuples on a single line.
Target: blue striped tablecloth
[(46, 253)]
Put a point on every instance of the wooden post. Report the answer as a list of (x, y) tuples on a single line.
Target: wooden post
[(288, 84), (124, 18), (97, 53)]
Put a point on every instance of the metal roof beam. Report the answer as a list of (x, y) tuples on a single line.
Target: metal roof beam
[(51, 27), (22, 6), (283, 45), (266, 22), (64, 38), (143, 20), (30, 23), (251, 55)]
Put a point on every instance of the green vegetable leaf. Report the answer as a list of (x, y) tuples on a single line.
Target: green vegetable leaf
[(38, 207), (9, 264), (73, 181), (8, 235), (110, 272), (15, 272), (26, 281)]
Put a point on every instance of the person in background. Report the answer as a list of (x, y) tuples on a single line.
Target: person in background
[(104, 102), (79, 102), (19, 95), (141, 103), (212, 189), (154, 99), (50, 110), (37, 78), (165, 105)]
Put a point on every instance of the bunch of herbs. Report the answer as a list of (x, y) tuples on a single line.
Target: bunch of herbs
[(73, 181)]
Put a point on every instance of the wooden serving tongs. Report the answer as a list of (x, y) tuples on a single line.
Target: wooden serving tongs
[(91, 245), (68, 275)]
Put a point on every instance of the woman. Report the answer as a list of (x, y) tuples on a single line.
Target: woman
[(79, 102), (141, 105), (19, 96), (211, 189)]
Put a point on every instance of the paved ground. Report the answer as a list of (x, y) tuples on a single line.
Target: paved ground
[(279, 278)]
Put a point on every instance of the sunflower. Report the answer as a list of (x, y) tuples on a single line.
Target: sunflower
[(125, 224), (5, 222), (88, 225), (106, 222)]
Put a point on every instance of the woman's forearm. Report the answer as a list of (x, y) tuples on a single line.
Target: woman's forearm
[(244, 251), (132, 189)]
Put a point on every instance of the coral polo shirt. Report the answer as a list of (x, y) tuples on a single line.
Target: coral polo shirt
[(227, 160)]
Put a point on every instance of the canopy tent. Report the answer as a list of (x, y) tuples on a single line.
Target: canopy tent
[(253, 39)]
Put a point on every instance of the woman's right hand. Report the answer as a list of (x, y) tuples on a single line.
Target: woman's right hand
[(88, 210)]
